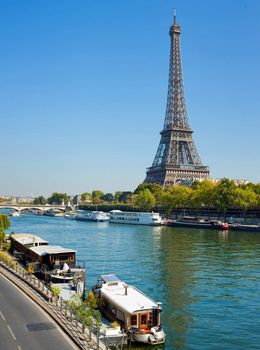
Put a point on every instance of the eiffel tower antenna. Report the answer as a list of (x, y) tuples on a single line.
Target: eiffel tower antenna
[(174, 16), (177, 159)]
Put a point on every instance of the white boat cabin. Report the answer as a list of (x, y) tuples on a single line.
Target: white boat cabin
[(126, 304)]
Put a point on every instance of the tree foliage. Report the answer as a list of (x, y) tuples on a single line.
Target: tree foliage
[(155, 189), (225, 192), (177, 197), (108, 197), (4, 222), (4, 225), (86, 196), (58, 198), (96, 196), (40, 200), (145, 200)]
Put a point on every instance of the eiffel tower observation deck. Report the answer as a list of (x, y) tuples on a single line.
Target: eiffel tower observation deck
[(177, 159)]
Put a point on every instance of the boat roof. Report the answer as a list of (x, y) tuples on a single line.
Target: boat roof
[(27, 238), (132, 301), (50, 249), (133, 212), (109, 278)]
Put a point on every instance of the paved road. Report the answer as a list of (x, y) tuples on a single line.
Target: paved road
[(24, 326)]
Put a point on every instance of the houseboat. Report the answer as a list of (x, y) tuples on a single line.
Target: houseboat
[(96, 216), (135, 218), (195, 222), (137, 314), (54, 264)]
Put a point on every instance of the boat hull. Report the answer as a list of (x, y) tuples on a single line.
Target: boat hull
[(154, 338), (197, 225)]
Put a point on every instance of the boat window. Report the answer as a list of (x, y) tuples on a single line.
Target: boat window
[(143, 319), (133, 320)]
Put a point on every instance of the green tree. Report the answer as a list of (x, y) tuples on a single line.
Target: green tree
[(177, 197), (40, 200), (224, 199), (58, 198), (108, 197), (4, 225), (245, 198), (204, 194), (125, 197), (117, 196), (86, 196), (155, 189), (96, 196), (145, 200)]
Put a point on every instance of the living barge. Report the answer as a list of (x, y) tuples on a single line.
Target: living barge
[(137, 314), (195, 222), (54, 264)]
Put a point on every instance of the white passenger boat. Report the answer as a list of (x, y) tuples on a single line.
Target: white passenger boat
[(136, 313), (15, 213), (97, 216), (135, 218)]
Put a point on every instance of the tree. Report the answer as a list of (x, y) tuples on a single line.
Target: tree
[(224, 196), (125, 197), (4, 225), (177, 197), (117, 196), (245, 198), (108, 197), (58, 198), (96, 196), (204, 194), (86, 196), (155, 189), (145, 200), (4, 222), (40, 200)]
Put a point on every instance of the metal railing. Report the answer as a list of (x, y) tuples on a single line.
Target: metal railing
[(88, 337)]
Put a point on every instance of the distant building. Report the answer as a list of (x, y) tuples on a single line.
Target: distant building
[(24, 200), (236, 181)]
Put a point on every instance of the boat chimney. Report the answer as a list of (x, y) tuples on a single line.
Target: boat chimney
[(126, 286)]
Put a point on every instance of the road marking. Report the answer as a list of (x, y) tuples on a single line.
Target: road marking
[(19, 348), (2, 316), (12, 334)]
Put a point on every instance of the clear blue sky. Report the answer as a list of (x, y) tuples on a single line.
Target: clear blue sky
[(83, 90)]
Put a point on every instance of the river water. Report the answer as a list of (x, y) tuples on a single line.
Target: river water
[(208, 281)]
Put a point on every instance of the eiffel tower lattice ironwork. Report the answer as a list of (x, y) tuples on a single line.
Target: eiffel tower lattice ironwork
[(177, 159)]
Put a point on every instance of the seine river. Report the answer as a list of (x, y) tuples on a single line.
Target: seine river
[(208, 281)]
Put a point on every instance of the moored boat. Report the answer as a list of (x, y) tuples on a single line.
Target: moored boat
[(194, 222), (136, 313), (244, 227), (71, 215), (54, 264), (15, 213), (96, 216), (54, 212), (135, 218)]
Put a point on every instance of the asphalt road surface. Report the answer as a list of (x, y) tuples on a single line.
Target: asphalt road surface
[(24, 325)]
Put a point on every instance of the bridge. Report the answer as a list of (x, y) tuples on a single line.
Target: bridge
[(22, 207)]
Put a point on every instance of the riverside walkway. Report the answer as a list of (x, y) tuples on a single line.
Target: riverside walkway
[(23, 325), (84, 338)]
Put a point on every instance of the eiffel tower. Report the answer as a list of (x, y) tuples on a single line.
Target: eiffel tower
[(177, 159)]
